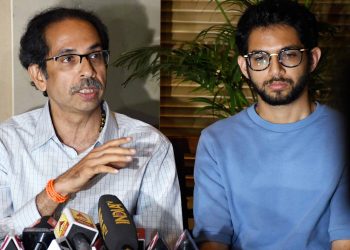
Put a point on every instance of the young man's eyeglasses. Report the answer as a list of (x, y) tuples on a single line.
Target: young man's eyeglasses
[(260, 60), (67, 61)]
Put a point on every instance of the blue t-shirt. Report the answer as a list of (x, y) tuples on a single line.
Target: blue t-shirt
[(260, 185)]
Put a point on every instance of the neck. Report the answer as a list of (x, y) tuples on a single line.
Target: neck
[(282, 114), (78, 130)]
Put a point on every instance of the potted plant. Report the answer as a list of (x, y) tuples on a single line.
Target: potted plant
[(210, 61)]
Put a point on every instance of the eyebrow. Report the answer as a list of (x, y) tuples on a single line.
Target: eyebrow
[(66, 51), (284, 48)]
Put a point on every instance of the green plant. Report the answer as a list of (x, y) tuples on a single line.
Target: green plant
[(210, 61)]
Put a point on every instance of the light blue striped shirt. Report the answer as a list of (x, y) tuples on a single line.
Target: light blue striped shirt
[(31, 154)]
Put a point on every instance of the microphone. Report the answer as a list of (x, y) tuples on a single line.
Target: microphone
[(99, 244), (117, 227), (45, 222), (141, 238), (11, 242), (157, 243), (185, 242), (77, 227), (40, 235)]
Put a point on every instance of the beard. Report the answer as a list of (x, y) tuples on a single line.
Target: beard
[(297, 88)]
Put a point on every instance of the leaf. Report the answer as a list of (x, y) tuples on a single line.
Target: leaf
[(210, 60)]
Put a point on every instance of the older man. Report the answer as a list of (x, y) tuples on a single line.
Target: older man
[(75, 149)]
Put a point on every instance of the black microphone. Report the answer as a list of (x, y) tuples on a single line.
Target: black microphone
[(40, 235), (80, 242), (185, 242), (157, 243), (78, 227), (117, 226), (45, 222), (12, 242)]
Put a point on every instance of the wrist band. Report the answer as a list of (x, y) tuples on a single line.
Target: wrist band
[(53, 195)]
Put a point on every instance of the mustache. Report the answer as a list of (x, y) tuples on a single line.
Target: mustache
[(86, 83), (278, 79)]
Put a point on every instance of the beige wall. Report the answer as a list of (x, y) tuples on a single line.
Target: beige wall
[(131, 23), (6, 105)]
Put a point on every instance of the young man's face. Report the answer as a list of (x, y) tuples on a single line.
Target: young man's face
[(66, 84), (278, 84)]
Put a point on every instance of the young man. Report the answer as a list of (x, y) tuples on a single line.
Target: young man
[(272, 176), (75, 149)]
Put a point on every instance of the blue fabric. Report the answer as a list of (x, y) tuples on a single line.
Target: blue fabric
[(260, 185)]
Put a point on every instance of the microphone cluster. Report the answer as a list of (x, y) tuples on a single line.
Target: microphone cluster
[(76, 230)]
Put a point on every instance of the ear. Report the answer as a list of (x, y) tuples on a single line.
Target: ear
[(37, 76), (242, 62), (315, 56)]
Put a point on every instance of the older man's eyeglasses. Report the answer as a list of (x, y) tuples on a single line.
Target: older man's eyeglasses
[(96, 58), (260, 60)]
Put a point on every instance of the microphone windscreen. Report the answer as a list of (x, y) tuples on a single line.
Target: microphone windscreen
[(33, 237), (117, 226), (80, 243)]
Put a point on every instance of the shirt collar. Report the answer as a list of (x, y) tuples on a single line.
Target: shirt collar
[(44, 129), (110, 130)]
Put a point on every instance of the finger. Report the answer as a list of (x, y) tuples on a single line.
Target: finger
[(105, 169), (74, 182), (113, 151), (115, 143), (119, 165), (106, 159)]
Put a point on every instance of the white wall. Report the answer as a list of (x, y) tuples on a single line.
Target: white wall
[(5, 60), (131, 23)]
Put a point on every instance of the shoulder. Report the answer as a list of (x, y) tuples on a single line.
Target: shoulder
[(25, 123), (17, 132), (229, 125), (328, 117), (326, 111)]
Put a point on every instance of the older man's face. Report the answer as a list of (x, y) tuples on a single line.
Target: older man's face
[(74, 87)]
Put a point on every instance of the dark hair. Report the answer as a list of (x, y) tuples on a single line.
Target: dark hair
[(272, 12), (33, 49)]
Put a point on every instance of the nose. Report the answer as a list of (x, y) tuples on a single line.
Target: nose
[(275, 66), (87, 70)]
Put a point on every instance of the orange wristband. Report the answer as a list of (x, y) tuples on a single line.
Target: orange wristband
[(53, 195)]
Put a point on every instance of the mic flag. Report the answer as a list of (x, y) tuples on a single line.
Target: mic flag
[(157, 243), (73, 224), (60, 244), (117, 227), (185, 242), (11, 242)]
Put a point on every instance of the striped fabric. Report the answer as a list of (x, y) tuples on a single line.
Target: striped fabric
[(31, 154)]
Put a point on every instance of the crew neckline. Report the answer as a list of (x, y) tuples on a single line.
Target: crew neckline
[(284, 127)]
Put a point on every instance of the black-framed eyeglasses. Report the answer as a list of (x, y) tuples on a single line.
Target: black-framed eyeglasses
[(260, 60), (96, 58)]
